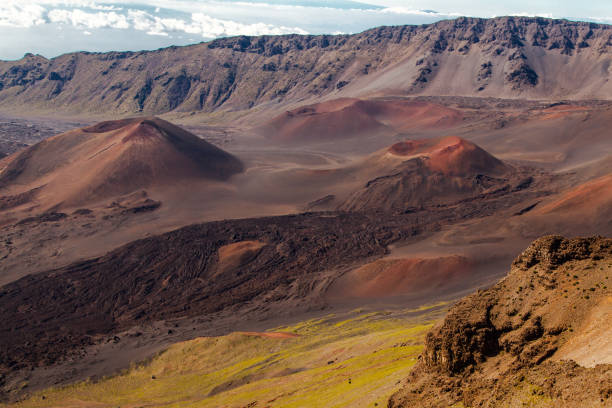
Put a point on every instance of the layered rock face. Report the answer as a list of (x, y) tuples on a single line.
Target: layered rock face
[(526, 338)]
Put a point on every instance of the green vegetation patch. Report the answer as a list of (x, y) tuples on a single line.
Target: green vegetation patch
[(332, 362)]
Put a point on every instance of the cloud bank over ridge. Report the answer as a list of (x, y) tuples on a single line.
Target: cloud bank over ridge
[(52, 27)]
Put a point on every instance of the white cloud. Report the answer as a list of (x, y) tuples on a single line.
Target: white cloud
[(140, 24), (526, 14), (16, 15), (106, 8), (411, 11), (112, 17), (213, 27), (83, 19), (143, 21), (600, 20), (204, 25)]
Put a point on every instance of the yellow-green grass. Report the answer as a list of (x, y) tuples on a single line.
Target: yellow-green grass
[(334, 362), (530, 395)]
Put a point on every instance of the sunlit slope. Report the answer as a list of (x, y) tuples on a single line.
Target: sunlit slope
[(331, 362)]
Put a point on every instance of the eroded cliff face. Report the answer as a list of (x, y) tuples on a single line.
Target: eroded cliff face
[(519, 341), (502, 57)]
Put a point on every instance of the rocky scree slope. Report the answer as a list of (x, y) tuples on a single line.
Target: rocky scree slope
[(501, 57), (520, 341)]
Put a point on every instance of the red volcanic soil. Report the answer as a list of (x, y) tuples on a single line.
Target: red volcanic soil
[(450, 155), (271, 335), (407, 148), (409, 115), (586, 199), (346, 118), (107, 126), (110, 159), (145, 131), (233, 256), (453, 155), (427, 172), (560, 111), (395, 277)]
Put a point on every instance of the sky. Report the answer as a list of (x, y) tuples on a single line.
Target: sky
[(54, 27)]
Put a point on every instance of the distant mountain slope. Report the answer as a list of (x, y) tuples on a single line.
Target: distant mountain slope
[(502, 57), (539, 338), (110, 159)]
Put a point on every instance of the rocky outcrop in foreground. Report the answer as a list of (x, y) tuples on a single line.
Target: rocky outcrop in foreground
[(538, 337)]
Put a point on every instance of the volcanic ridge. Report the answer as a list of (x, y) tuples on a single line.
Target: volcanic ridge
[(507, 57)]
